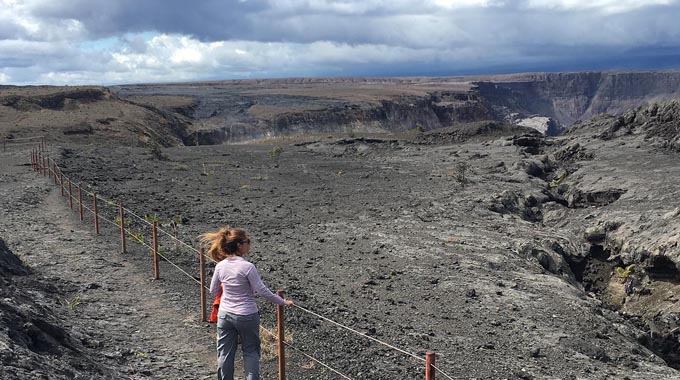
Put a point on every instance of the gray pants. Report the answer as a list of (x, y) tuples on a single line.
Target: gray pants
[(229, 327)]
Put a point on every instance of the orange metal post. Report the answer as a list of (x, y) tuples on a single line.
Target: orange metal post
[(80, 203), (201, 275), (121, 211), (429, 365), (281, 337), (96, 214), (61, 182), (155, 252), (70, 195)]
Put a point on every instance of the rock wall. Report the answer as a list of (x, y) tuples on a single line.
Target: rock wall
[(228, 111), (438, 110), (568, 97)]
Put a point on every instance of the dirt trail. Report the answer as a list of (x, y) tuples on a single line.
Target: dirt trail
[(134, 323)]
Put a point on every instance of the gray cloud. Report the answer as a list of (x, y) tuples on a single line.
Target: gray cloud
[(45, 40)]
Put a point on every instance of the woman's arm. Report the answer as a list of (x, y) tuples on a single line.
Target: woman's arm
[(215, 289), (261, 289)]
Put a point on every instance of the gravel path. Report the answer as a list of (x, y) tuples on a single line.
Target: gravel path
[(133, 326)]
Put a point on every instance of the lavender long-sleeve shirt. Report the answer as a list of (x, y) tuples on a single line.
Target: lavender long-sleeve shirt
[(240, 282)]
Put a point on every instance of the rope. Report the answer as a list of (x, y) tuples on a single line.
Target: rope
[(316, 360), (176, 239), (442, 372), (186, 245), (21, 143), (137, 216), (179, 269), (147, 222), (269, 332), (24, 138), (158, 253), (303, 353), (359, 333)]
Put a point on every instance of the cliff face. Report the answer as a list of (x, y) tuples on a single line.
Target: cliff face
[(243, 110), (568, 97), (438, 110)]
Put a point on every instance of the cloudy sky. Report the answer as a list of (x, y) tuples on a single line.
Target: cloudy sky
[(133, 41)]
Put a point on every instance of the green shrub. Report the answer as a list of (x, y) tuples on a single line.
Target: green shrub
[(275, 153), (625, 272)]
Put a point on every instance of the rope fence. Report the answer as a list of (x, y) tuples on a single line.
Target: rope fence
[(43, 164), (41, 142)]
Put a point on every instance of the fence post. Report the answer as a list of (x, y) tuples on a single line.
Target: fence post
[(80, 203), (96, 213), (155, 251), (49, 172), (54, 171), (121, 211), (201, 275), (281, 337), (61, 182), (429, 365), (70, 195), (45, 168)]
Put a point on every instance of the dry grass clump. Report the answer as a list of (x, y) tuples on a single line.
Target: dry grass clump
[(269, 342)]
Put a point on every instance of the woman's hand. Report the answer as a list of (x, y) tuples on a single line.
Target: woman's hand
[(288, 302)]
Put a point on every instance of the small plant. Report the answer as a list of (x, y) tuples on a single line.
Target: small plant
[(341, 172), (624, 272), (245, 187), (558, 180), (174, 225), (73, 303), (151, 218), (207, 171), (460, 173), (138, 236), (127, 222), (420, 128), (352, 135), (275, 153)]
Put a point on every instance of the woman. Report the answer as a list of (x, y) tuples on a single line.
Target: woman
[(238, 314)]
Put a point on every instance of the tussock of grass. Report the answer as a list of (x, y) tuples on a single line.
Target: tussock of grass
[(269, 345)]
